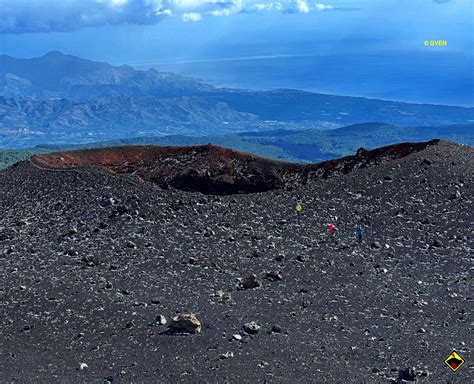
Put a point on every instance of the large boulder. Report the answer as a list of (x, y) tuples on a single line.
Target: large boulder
[(251, 282), (185, 323)]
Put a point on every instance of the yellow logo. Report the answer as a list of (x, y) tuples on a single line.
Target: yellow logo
[(298, 208), (454, 361), (436, 43)]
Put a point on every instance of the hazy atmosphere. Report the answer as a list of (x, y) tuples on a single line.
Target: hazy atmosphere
[(364, 47)]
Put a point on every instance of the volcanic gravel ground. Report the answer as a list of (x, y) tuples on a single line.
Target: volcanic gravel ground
[(89, 259)]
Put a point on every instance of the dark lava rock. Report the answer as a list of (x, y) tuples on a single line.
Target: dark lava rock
[(72, 231), (225, 297), (273, 276), (185, 323), (103, 225), (279, 258), (251, 328), (376, 245), (361, 152), (303, 258), (407, 374), (91, 260), (456, 195), (108, 202), (426, 162), (122, 209), (250, 282), (130, 244), (276, 329), (438, 243)]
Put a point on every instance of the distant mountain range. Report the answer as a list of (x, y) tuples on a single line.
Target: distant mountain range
[(56, 75), (62, 99)]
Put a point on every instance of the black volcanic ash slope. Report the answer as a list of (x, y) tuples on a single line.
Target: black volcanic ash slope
[(90, 258)]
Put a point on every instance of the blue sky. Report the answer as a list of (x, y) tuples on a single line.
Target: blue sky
[(183, 35)]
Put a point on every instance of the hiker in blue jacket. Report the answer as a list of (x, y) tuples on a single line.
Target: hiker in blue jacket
[(359, 233)]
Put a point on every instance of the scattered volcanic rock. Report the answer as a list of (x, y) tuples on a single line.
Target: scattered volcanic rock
[(225, 297), (226, 355), (252, 281), (277, 329), (407, 374), (273, 276), (303, 258), (251, 328), (161, 320), (348, 313), (185, 323), (438, 243)]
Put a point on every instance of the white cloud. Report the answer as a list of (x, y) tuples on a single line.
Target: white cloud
[(302, 6), (219, 12), (262, 7), (24, 16), (323, 7), (165, 12), (192, 16), (187, 4)]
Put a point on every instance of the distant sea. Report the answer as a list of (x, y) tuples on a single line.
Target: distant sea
[(423, 78)]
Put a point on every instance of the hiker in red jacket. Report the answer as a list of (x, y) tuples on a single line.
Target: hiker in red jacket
[(332, 229)]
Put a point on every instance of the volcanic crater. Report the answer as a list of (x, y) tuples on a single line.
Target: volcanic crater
[(210, 169)]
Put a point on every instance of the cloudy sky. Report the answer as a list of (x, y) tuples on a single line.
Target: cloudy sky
[(187, 35), (23, 16)]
